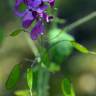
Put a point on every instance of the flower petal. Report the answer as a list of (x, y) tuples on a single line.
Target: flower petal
[(33, 3), (52, 2), (37, 30), (17, 12), (27, 19), (46, 17), (42, 8)]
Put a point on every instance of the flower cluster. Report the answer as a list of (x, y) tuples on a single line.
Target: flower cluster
[(35, 11)]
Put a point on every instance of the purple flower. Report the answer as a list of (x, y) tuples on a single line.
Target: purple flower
[(35, 11), (50, 1), (37, 30)]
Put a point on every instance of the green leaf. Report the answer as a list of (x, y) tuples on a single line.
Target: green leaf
[(54, 67), (80, 47), (56, 35), (13, 77), (22, 93), (67, 88), (29, 78), (60, 46), (44, 57), (16, 32)]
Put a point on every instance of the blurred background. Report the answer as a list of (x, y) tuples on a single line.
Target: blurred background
[(81, 68)]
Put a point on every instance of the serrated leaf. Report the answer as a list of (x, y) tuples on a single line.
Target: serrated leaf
[(67, 88), (80, 47), (29, 78), (16, 32), (13, 77)]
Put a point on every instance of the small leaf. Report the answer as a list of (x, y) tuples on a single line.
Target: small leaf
[(44, 57), (67, 88), (29, 78), (22, 93), (13, 77), (80, 47), (16, 32), (54, 67)]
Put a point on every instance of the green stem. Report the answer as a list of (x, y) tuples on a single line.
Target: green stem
[(80, 22), (33, 48), (31, 92), (43, 80), (43, 74)]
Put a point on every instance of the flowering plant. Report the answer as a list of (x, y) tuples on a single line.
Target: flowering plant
[(49, 52), (35, 11)]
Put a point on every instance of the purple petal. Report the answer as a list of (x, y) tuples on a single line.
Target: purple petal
[(17, 12), (18, 2), (42, 8), (45, 0), (33, 3), (46, 17), (37, 30), (52, 2), (27, 19)]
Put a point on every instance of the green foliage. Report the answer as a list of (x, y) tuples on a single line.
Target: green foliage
[(13, 77), (22, 93), (29, 78), (45, 60), (67, 88), (80, 47), (43, 82), (16, 32), (1, 35), (54, 67), (46, 63), (60, 44)]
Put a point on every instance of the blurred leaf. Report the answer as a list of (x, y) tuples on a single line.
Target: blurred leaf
[(1, 35), (60, 44), (13, 77), (54, 67), (22, 93), (80, 47), (16, 32), (29, 78), (45, 60), (67, 88), (56, 35)]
